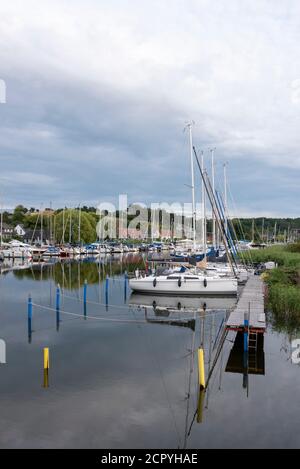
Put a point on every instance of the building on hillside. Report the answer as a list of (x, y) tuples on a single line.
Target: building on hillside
[(34, 237), (20, 230), (7, 231)]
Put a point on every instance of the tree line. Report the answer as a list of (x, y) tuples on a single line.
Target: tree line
[(74, 225)]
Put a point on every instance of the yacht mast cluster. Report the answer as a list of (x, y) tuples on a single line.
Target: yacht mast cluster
[(195, 276)]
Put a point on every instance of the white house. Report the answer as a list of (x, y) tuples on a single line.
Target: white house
[(19, 229)]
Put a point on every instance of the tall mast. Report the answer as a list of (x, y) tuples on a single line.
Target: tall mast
[(213, 188), (189, 125), (50, 223), (70, 227), (63, 226), (41, 225), (79, 226), (204, 208), (275, 229), (252, 230), (225, 197)]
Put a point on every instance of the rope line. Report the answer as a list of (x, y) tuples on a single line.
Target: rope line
[(99, 318), (131, 307), (136, 321)]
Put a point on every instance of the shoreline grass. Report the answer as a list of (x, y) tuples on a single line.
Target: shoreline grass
[(283, 284)]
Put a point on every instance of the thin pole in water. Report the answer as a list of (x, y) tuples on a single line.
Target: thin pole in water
[(29, 314), (57, 306), (106, 290), (125, 286), (84, 297)]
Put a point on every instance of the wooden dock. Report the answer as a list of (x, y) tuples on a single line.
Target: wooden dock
[(250, 301)]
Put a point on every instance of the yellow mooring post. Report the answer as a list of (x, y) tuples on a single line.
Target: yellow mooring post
[(46, 358), (201, 368)]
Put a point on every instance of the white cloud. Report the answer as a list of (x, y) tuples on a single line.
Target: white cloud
[(26, 178), (233, 67)]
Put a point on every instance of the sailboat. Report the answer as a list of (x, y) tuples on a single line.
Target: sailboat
[(16, 249), (185, 281)]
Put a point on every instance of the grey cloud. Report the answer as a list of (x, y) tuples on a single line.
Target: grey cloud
[(99, 106)]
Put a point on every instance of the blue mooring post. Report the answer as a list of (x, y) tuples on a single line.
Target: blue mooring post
[(57, 306), (84, 297), (125, 285), (29, 314), (106, 290), (246, 327)]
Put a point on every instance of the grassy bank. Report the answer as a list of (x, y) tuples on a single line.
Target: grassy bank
[(283, 284)]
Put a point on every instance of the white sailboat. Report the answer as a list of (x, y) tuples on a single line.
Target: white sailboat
[(17, 250), (185, 282), (192, 281)]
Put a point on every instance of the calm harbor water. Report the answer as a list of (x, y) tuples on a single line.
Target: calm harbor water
[(126, 376)]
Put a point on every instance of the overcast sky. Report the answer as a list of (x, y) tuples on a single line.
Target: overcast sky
[(98, 93)]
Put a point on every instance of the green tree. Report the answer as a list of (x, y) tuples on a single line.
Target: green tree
[(19, 215), (7, 217), (70, 218)]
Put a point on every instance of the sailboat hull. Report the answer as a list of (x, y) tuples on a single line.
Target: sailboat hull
[(164, 285)]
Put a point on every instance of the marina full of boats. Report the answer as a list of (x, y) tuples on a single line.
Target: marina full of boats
[(196, 275), (195, 266), (18, 250)]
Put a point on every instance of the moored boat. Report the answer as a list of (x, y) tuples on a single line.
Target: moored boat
[(185, 283)]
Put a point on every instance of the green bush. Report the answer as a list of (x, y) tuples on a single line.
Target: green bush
[(283, 284)]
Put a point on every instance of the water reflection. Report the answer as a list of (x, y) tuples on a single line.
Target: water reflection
[(247, 363), (138, 381), (71, 273), (170, 304), (46, 378)]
